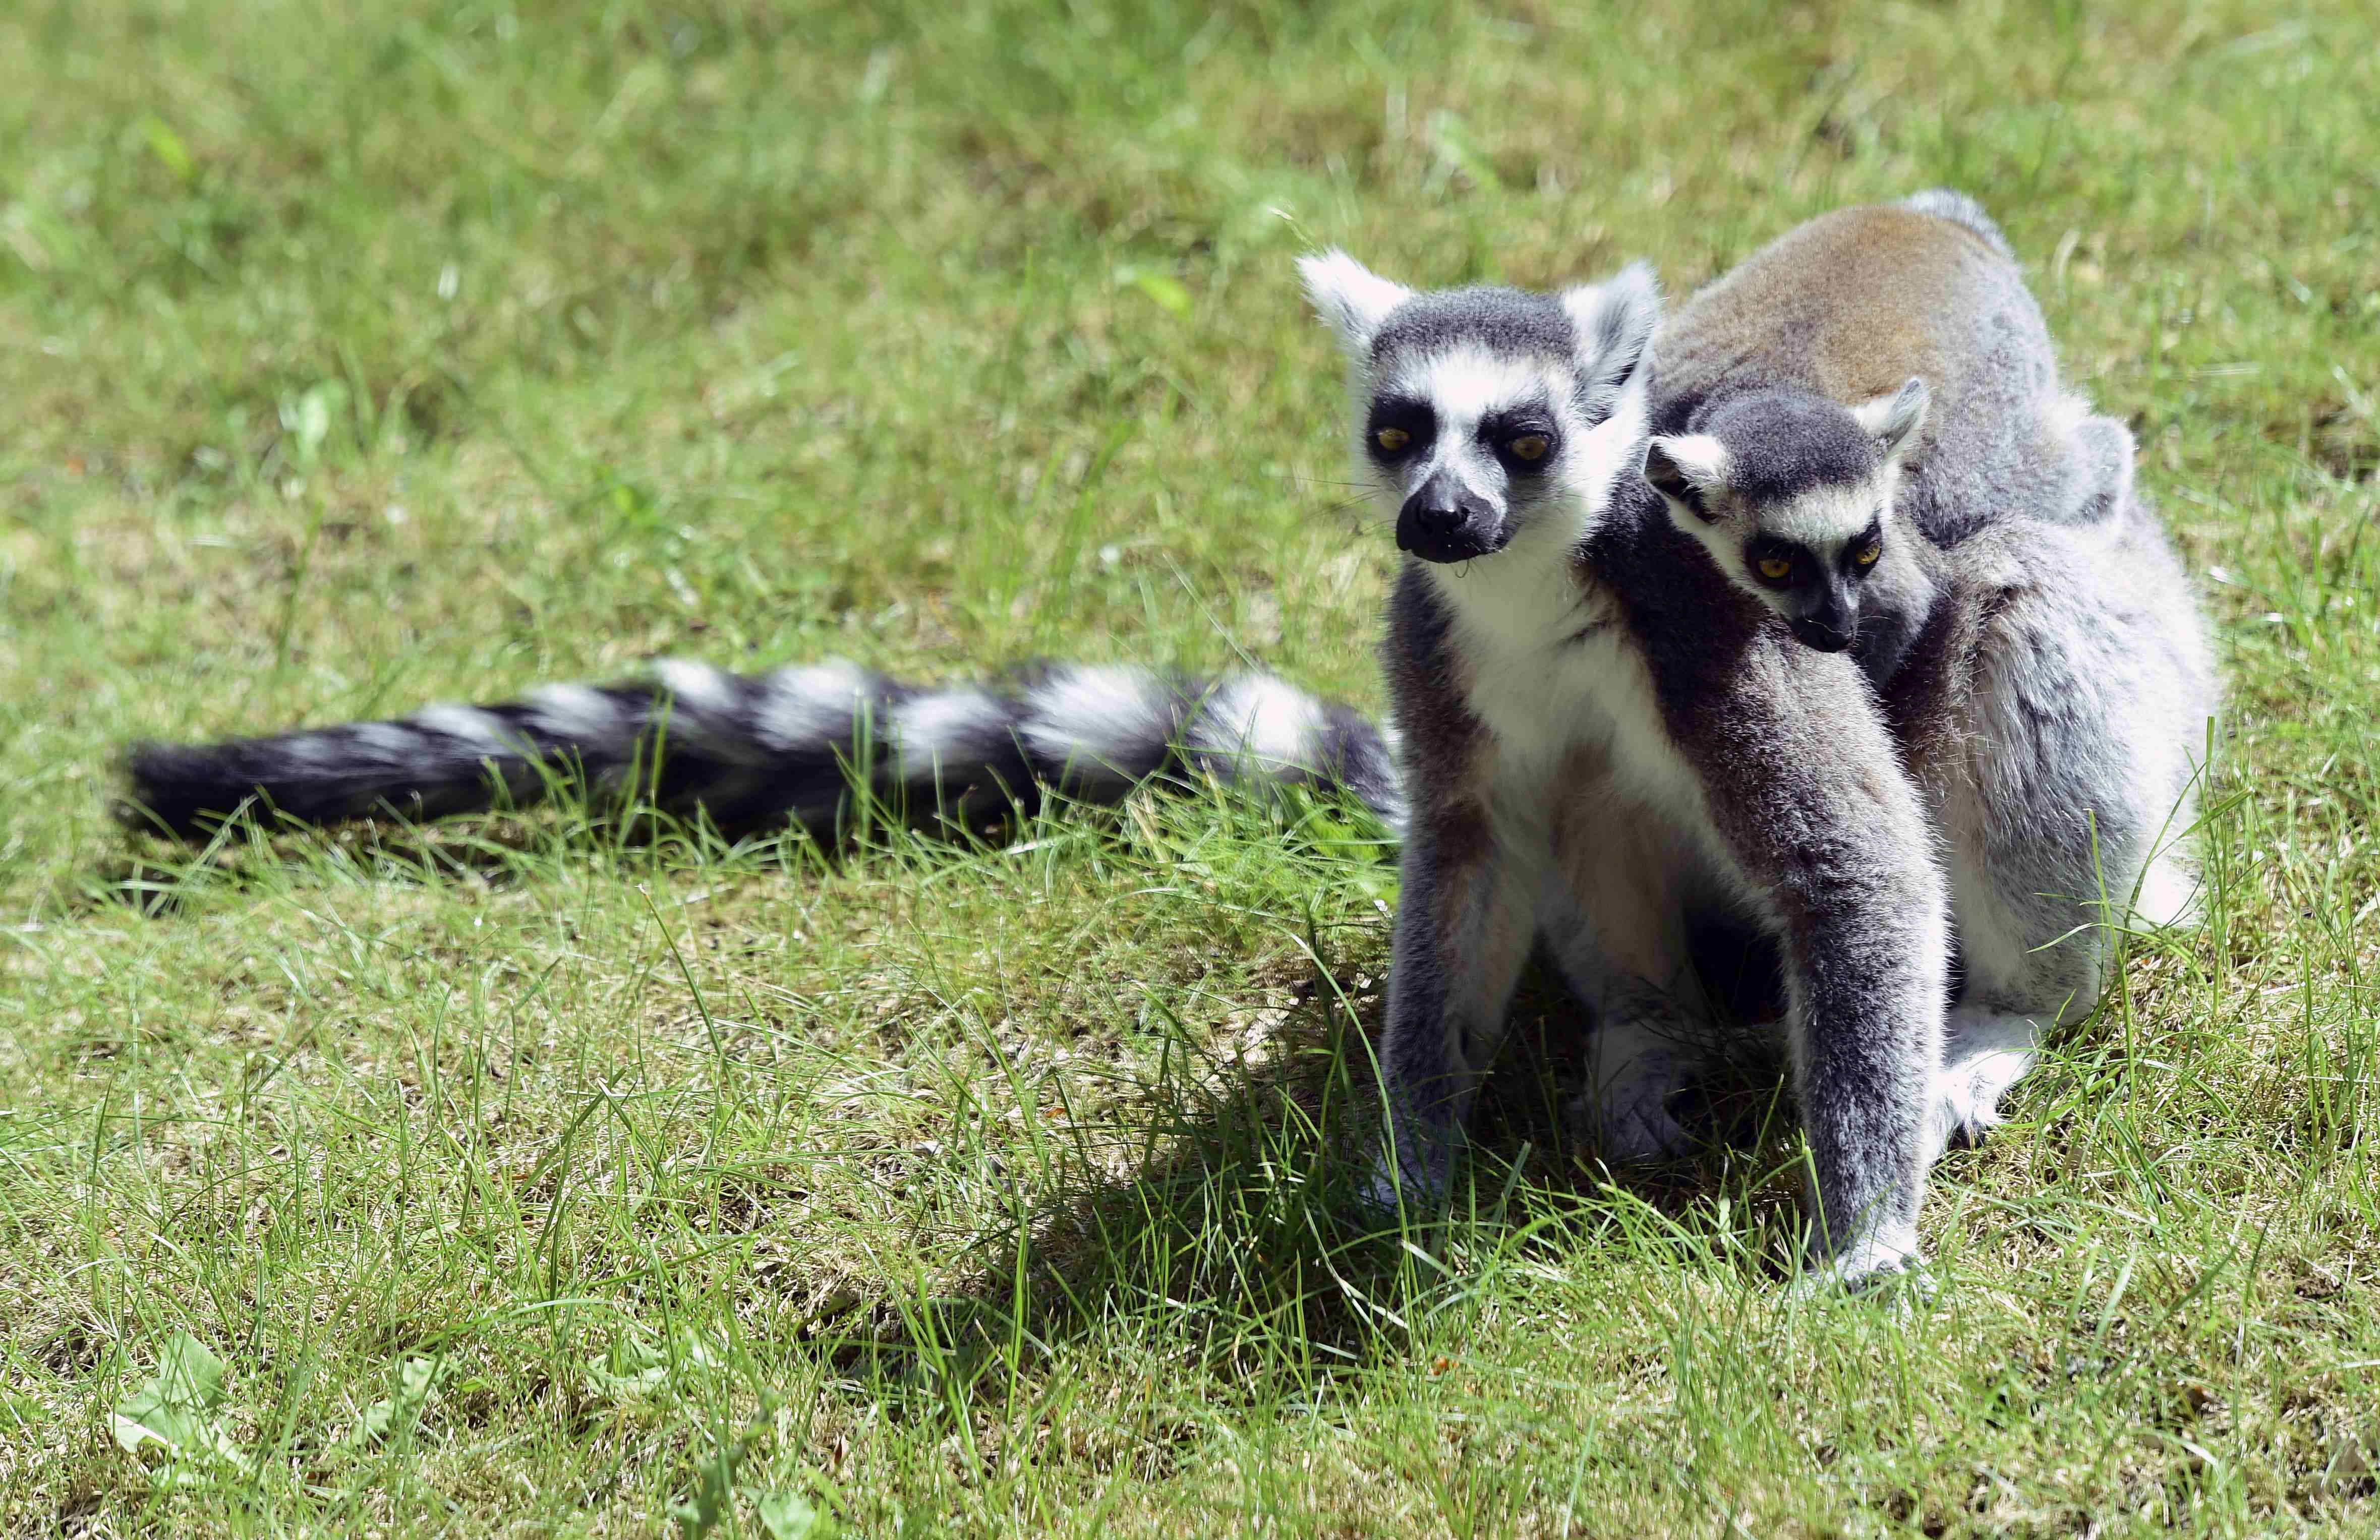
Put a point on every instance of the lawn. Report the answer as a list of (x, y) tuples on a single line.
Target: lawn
[(526, 1175)]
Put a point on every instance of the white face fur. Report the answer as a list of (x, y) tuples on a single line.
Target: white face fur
[(1484, 414), (1806, 556)]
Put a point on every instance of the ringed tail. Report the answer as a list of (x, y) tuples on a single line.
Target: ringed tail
[(792, 746)]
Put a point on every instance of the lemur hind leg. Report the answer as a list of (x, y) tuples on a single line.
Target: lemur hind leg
[(1641, 1058), (1464, 929), (2036, 957), (1985, 1054), (1615, 926), (2073, 794)]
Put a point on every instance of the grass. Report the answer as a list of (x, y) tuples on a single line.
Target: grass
[(509, 1177)]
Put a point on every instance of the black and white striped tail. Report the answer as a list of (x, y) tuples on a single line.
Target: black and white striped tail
[(786, 746)]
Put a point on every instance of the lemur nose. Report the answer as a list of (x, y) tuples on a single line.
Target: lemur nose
[(1438, 509), (1822, 635)]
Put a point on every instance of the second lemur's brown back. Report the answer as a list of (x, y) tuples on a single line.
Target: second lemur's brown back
[(1851, 305)]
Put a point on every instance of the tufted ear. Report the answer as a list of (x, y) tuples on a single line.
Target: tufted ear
[(1686, 470), (1893, 420), (1351, 296), (2103, 462), (1614, 320)]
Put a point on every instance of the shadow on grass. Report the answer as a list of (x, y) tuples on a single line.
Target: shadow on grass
[(160, 879), (1228, 1215), (162, 874), (1240, 1233)]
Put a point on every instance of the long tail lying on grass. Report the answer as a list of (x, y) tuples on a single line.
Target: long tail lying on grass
[(746, 751)]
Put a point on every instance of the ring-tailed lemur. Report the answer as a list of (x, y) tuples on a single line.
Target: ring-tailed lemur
[(2037, 645), (2049, 688), (1605, 744)]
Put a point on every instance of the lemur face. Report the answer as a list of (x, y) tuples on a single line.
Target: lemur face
[(1806, 558), (1814, 584), (1466, 445), (1482, 414), (1791, 496)]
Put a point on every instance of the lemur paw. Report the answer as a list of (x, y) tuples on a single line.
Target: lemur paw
[(1627, 1118), (1866, 1267), (1967, 1095), (1414, 1183)]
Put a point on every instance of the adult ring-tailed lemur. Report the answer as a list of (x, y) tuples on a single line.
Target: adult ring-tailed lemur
[(1604, 741)]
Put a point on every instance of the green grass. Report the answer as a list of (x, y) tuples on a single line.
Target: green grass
[(524, 1179)]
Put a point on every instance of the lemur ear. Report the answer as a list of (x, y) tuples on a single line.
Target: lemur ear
[(1351, 296), (1685, 471), (2103, 462), (1894, 419), (1614, 321)]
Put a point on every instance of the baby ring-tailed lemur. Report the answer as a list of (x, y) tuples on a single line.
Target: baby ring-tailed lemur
[(1604, 741)]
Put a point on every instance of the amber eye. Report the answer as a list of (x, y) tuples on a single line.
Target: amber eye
[(1869, 552), (1776, 568), (1392, 438), (1528, 446)]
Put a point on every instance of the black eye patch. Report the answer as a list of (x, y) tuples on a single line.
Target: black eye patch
[(1398, 426), (1776, 563), (1524, 437), (1869, 539)]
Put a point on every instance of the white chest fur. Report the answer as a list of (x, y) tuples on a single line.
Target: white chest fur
[(1559, 685), (1589, 796)]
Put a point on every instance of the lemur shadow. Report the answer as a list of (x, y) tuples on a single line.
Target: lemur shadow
[(1241, 1212), (158, 879), (159, 874), (1243, 1221)]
